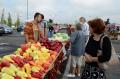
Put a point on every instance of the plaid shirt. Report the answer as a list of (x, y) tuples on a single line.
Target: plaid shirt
[(28, 31)]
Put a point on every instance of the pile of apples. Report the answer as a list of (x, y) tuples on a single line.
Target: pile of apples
[(54, 45), (31, 61)]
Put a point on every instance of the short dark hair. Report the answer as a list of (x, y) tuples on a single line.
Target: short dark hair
[(36, 14), (42, 16), (83, 18), (78, 26), (97, 25)]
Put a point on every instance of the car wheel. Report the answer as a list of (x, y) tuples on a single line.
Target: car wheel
[(18, 31), (1, 34)]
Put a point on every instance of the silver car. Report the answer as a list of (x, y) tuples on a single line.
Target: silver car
[(7, 29)]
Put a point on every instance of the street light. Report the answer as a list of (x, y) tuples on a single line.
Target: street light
[(27, 9)]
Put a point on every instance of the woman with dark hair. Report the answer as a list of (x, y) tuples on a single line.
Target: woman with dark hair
[(77, 50), (93, 58)]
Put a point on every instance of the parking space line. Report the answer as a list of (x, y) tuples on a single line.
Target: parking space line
[(3, 44)]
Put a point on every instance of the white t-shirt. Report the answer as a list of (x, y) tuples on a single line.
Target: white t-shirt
[(85, 28), (42, 27)]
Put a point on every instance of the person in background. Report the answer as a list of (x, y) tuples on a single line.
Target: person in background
[(32, 31), (77, 50), (56, 28), (69, 29), (42, 26), (85, 28), (93, 57), (50, 31), (107, 22)]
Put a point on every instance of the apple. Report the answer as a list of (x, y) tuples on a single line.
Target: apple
[(17, 77), (37, 45), (29, 78), (6, 76), (5, 63), (32, 63), (35, 69), (19, 50), (46, 67), (36, 74), (53, 57), (38, 62), (18, 60), (24, 47), (13, 67), (33, 48), (53, 53), (8, 71), (21, 74), (29, 50), (8, 58), (27, 68), (25, 55), (30, 58)]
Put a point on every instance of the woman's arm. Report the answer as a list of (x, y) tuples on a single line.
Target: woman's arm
[(106, 50)]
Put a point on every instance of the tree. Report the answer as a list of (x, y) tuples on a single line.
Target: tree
[(5, 22), (50, 21), (2, 17), (17, 23), (9, 20)]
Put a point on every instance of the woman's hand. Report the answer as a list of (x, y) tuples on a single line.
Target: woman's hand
[(89, 58)]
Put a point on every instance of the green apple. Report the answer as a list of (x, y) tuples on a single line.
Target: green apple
[(35, 69), (13, 67), (8, 58), (35, 57), (19, 50), (8, 71), (6, 76), (33, 47), (21, 74), (29, 50)]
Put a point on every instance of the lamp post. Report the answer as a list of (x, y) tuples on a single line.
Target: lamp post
[(27, 9)]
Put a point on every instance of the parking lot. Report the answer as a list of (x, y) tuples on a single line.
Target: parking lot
[(10, 42)]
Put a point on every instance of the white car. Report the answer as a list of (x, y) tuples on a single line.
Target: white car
[(7, 29)]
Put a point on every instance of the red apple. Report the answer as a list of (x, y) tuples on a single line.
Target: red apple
[(17, 77), (32, 63), (36, 74), (18, 60), (24, 47), (5, 63), (21, 53), (53, 57), (28, 78), (46, 66)]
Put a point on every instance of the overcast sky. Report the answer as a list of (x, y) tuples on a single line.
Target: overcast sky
[(63, 11)]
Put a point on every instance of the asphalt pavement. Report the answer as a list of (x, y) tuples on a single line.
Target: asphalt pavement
[(10, 42)]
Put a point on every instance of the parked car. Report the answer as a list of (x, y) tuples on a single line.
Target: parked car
[(1, 30), (7, 29), (20, 28)]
